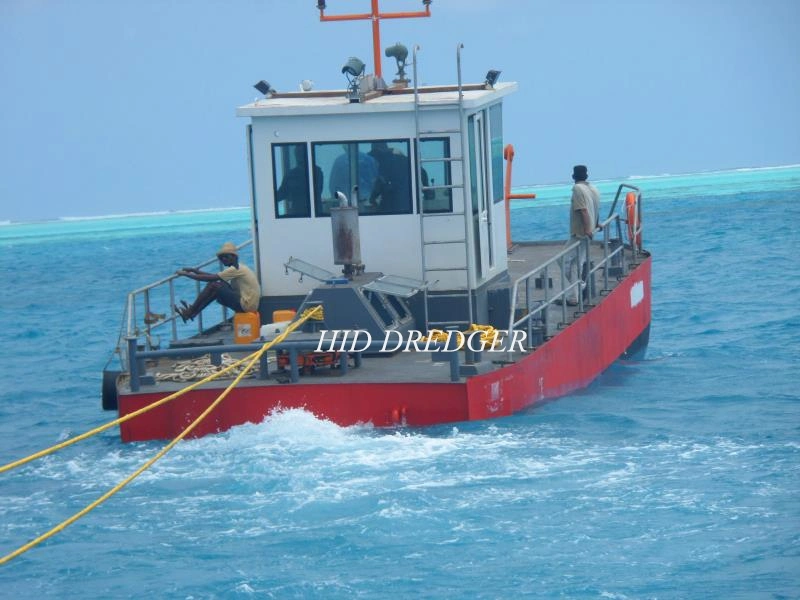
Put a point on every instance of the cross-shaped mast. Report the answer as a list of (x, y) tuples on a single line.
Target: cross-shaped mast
[(375, 16)]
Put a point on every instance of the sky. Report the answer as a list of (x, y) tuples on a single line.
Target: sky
[(128, 106)]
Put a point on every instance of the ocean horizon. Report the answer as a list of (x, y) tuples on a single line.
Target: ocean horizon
[(547, 190), (676, 476)]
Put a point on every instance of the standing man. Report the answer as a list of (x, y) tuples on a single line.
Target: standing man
[(343, 177), (583, 216), (235, 286)]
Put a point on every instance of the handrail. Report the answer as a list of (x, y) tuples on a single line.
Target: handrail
[(619, 191), (131, 327), (608, 256), (635, 223)]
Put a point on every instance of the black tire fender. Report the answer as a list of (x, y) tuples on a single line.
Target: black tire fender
[(109, 393)]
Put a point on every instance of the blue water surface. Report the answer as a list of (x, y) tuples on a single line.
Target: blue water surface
[(677, 476)]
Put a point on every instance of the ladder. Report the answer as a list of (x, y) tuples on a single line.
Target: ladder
[(430, 273)]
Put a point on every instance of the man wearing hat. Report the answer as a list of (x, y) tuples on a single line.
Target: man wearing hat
[(583, 215), (235, 286)]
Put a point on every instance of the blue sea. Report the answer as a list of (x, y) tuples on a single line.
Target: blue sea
[(677, 476)]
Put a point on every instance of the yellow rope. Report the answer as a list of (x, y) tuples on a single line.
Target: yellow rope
[(128, 417), (315, 313), (489, 336), (255, 357), (437, 335)]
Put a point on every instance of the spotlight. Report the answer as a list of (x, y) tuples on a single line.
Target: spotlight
[(353, 67), (492, 76), (264, 87), (400, 54), (321, 4), (426, 2)]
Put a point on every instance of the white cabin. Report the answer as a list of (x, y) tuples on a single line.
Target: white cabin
[(425, 167)]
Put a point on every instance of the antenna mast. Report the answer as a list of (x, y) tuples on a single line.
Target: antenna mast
[(375, 16)]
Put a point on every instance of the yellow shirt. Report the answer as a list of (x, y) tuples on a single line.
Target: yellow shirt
[(244, 281)]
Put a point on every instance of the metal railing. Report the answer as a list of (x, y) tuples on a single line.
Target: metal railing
[(613, 261), (142, 299), (293, 348), (634, 227)]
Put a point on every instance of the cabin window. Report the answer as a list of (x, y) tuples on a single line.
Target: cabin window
[(380, 168), (291, 180), (436, 176), (496, 133)]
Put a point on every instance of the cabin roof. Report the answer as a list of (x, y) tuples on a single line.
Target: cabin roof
[(387, 100)]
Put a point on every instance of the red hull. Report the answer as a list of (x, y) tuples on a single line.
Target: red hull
[(567, 362)]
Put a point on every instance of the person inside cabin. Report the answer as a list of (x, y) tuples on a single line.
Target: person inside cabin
[(426, 181), (235, 286), (342, 177), (583, 221), (392, 190), (294, 185)]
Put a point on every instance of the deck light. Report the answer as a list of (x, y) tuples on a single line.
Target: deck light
[(264, 87), (492, 76), (353, 69), (400, 54)]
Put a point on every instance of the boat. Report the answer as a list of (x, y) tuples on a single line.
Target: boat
[(392, 291)]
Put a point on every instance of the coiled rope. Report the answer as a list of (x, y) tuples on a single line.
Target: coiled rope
[(315, 313), (198, 368), (489, 335), (253, 360)]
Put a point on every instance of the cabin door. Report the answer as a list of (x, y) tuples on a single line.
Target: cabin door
[(481, 215)]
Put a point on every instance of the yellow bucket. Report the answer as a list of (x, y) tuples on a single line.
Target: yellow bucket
[(246, 327)]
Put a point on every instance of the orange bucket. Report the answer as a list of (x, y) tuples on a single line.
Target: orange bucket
[(279, 316), (246, 327)]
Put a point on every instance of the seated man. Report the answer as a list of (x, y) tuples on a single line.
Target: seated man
[(235, 286)]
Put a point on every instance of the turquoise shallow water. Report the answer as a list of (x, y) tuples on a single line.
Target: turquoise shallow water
[(674, 477)]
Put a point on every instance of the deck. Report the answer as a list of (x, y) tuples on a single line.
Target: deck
[(169, 374)]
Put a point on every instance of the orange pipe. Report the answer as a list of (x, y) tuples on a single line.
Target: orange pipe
[(375, 16), (376, 39), (508, 154)]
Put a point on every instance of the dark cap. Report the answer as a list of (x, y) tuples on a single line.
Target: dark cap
[(580, 172)]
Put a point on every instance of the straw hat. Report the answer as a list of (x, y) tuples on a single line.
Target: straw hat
[(228, 248)]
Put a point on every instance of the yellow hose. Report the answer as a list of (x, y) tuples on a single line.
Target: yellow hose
[(128, 417), (253, 360)]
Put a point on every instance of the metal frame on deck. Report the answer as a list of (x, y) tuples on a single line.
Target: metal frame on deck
[(150, 321), (613, 262)]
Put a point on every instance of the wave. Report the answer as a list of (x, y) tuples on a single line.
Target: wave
[(158, 213), (662, 176), (735, 170), (717, 172), (133, 215), (746, 169)]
